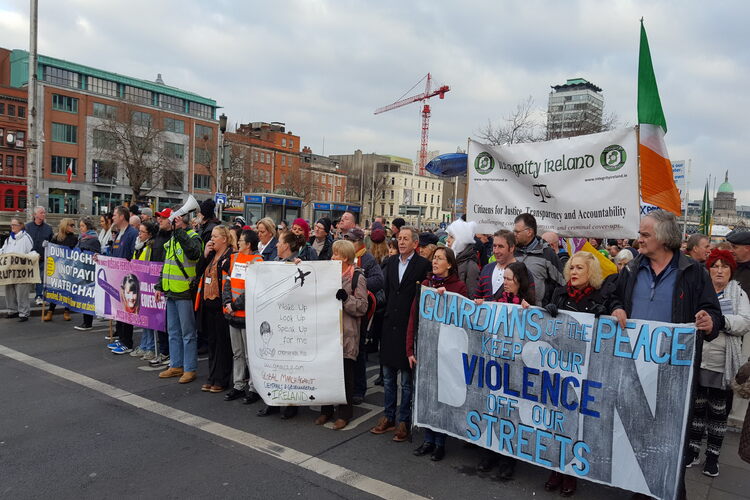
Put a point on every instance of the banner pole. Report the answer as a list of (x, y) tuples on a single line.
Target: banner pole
[(111, 338)]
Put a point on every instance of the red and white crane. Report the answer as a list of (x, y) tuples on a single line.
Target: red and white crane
[(423, 97)]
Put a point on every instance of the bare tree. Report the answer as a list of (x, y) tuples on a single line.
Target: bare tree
[(582, 124), (130, 139), (518, 126), (298, 182)]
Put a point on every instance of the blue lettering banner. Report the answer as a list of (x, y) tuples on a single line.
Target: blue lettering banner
[(69, 278)]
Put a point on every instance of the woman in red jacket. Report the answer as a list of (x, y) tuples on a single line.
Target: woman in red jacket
[(445, 278)]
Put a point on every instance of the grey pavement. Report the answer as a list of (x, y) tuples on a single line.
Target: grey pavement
[(59, 438)]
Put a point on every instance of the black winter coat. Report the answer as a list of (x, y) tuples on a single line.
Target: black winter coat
[(399, 298)]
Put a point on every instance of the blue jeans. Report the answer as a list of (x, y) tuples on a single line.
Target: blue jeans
[(183, 347), (436, 438), (147, 340), (391, 393)]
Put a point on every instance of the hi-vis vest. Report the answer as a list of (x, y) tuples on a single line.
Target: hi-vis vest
[(145, 252), (238, 263), (172, 278)]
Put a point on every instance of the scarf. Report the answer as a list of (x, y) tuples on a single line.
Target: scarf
[(510, 298), (578, 294), (437, 281)]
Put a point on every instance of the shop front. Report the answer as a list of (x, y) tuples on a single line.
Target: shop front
[(278, 208), (334, 211)]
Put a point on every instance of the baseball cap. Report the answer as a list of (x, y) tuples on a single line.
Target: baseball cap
[(354, 234), (164, 213)]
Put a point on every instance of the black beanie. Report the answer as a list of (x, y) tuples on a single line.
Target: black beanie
[(207, 208), (326, 224)]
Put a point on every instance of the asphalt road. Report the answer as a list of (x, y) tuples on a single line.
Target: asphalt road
[(79, 422)]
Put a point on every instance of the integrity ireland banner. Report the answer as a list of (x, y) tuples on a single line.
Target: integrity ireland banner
[(293, 332), (585, 185), (572, 393)]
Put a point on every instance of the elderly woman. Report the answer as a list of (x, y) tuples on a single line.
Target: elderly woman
[(444, 277), (17, 295), (622, 258), (266, 230), (583, 292), (353, 297), (720, 362), (461, 241), (65, 236), (208, 304)]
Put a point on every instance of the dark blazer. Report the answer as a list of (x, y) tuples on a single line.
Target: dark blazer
[(400, 296), (269, 253)]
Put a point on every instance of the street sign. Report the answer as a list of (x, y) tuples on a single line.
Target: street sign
[(411, 210), (220, 198)]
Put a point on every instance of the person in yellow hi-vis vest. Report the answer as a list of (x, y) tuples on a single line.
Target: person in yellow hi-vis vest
[(181, 254), (233, 298)]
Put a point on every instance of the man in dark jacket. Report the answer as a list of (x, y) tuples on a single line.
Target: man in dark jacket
[(374, 276), (208, 220), (402, 275), (40, 232), (123, 247), (540, 259), (662, 284), (740, 241)]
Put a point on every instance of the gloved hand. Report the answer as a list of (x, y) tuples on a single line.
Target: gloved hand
[(551, 309), (342, 295)]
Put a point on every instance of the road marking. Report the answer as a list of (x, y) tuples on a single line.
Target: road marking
[(330, 470)]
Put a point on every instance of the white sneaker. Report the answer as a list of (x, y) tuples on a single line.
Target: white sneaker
[(148, 356), (137, 352), (39, 301)]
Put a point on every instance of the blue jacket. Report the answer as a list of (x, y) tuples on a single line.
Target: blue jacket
[(39, 234), (125, 247)]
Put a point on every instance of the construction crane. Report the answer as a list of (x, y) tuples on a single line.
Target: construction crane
[(423, 97)]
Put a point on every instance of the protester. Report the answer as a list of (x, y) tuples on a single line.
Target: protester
[(490, 283), (553, 240), (721, 360), (105, 233), (144, 247), (483, 248), (461, 241), (147, 214), (163, 235), (17, 294), (87, 241), (622, 258), (39, 231), (445, 278), (698, 247), (401, 276), (353, 297), (347, 222), (374, 279), (209, 308), (321, 240), (396, 226), (135, 222), (427, 251), (301, 227), (233, 298), (740, 241), (538, 256), (267, 238), (378, 247), (287, 247), (65, 236), (122, 247), (663, 285), (582, 293), (181, 254), (207, 220)]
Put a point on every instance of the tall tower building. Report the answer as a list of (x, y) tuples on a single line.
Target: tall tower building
[(574, 108)]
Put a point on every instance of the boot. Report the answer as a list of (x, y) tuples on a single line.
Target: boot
[(47, 316), (66, 315)]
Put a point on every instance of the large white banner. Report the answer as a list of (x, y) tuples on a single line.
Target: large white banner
[(579, 186), (294, 338), (573, 393)]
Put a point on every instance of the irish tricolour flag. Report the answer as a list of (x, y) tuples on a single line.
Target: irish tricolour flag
[(657, 182)]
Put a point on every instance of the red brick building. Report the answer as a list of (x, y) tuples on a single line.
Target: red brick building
[(13, 111)]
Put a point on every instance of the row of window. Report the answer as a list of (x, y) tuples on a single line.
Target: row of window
[(431, 213), (66, 78), (259, 175), (284, 142), (13, 165), (18, 135), (13, 200), (12, 110), (409, 182)]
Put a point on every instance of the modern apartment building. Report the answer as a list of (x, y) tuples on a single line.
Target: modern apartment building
[(574, 108), (96, 121)]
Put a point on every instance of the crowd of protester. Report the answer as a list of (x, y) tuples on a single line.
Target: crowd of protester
[(659, 277)]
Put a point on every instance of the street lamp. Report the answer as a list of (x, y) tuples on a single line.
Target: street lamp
[(220, 164)]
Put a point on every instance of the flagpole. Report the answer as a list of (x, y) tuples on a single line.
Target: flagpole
[(687, 198)]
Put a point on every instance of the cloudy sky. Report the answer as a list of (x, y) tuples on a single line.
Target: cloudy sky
[(323, 67)]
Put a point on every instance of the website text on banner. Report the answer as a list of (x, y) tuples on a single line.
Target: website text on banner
[(125, 292), (69, 277), (573, 393), (579, 186), (294, 332), (19, 268)]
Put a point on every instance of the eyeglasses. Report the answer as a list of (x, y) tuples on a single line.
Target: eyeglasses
[(72, 224), (520, 230), (15, 224)]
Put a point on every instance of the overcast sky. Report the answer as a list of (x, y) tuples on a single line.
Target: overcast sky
[(323, 67)]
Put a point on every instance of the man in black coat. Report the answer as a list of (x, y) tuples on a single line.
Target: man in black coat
[(402, 275)]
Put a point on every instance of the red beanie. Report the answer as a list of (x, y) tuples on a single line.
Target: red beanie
[(723, 255), (304, 225)]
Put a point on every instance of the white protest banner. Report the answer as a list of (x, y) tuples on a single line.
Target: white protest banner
[(16, 268), (572, 393), (294, 338), (578, 186)]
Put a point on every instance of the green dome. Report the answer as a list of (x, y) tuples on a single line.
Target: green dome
[(726, 188)]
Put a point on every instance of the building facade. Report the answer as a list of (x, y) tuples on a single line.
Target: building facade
[(574, 108), (115, 132), (725, 204), (13, 130)]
